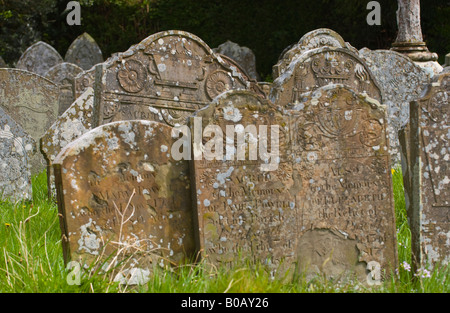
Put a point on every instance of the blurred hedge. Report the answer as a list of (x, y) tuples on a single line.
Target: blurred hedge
[(265, 26)]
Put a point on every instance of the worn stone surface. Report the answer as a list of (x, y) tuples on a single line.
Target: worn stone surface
[(244, 56), (32, 101), (119, 188), (16, 149), (430, 166), (84, 52), (39, 58), (312, 40), (243, 205), (339, 151), (166, 77), (83, 81), (401, 81), (64, 75), (70, 125), (320, 67)]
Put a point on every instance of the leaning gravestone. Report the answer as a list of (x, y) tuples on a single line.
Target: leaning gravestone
[(63, 74), (339, 150), (70, 125), (402, 81), (16, 149), (32, 101), (166, 77), (84, 52), (430, 179), (39, 58), (320, 67), (241, 187), (121, 194)]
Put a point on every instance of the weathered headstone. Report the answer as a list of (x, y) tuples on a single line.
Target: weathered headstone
[(16, 148), (84, 52), (401, 81), (312, 40), (242, 196), (70, 125), (39, 58), (32, 101), (121, 194), (2, 63), (166, 77), (430, 179), (339, 150), (63, 74), (244, 56), (320, 67)]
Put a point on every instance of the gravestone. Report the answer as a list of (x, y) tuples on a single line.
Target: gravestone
[(320, 67), (70, 125), (242, 196), (402, 81), (39, 58), (2, 63), (430, 172), (447, 60), (32, 101), (121, 194), (16, 148), (339, 151), (63, 74), (312, 40), (165, 78), (244, 56), (84, 52)]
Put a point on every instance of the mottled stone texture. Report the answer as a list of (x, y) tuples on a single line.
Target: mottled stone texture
[(16, 149), (121, 194), (244, 210), (320, 67), (84, 52), (63, 74), (429, 163), (39, 58), (32, 101), (401, 81), (244, 56), (341, 164), (165, 78)]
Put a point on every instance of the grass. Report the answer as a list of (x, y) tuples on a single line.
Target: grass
[(31, 260)]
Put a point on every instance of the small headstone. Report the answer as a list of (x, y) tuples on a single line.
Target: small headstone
[(166, 78), (2, 63), (401, 81), (339, 150), (242, 196), (63, 74), (39, 58), (84, 52), (16, 149), (32, 101), (320, 67), (244, 56), (121, 194), (430, 179)]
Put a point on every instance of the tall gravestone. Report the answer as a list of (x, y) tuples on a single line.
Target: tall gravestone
[(320, 67), (84, 52), (33, 102), (430, 172), (64, 75), (242, 182), (39, 58), (339, 150), (121, 194), (402, 81), (165, 78), (16, 149)]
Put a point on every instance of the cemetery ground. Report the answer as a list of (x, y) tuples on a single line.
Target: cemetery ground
[(31, 261)]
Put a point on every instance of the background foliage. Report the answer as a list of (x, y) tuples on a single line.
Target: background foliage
[(265, 26)]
